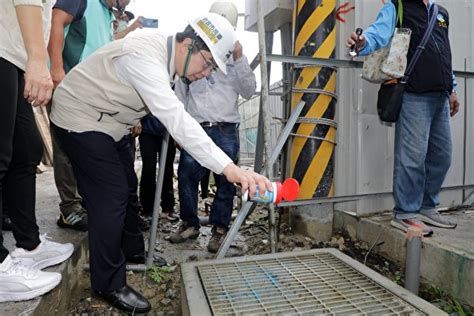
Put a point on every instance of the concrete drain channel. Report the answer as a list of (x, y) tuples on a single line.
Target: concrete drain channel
[(320, 281)]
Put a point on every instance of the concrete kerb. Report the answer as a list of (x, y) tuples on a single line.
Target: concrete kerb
[(443, 264), (56, 302)]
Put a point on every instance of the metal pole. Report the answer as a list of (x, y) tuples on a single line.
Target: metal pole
[(303, 61), (355, 197), (266, 115), (254, 63), (156, 205), (246, 208), (286, 49), (234, 229), (260, 144), (413, 258)]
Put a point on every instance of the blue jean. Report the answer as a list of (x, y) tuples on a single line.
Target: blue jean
[(190, 172), (422, 152)]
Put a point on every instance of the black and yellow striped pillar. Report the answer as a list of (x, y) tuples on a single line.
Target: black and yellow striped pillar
[(312, 152)]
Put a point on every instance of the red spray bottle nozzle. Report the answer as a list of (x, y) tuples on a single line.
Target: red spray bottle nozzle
[(290, 189)]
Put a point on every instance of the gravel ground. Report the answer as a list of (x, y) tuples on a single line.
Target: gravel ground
[(162, 286)]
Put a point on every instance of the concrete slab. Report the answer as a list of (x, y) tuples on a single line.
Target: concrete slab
[(47, 211), (447, 259)]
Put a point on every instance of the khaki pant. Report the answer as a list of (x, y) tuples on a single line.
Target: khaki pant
[(65, 180)]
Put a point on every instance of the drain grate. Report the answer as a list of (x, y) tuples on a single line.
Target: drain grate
[(312, 282)]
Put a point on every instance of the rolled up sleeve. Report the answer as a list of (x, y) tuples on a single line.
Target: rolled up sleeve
[(246, 81)]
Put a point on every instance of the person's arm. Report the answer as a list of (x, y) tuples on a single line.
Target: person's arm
[(59, 21), (132, 27), (246, 82), (378, 34), (151, 81), (453, 98), (38, 83)]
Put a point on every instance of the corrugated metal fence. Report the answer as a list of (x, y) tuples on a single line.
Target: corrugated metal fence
[(249, 121)]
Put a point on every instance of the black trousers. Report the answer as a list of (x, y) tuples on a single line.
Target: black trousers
[(21, 150), (150, 146), (106, 181)]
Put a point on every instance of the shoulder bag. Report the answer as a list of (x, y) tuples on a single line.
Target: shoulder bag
[(390, 96)]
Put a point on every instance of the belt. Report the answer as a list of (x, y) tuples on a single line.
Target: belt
[(211, 124)]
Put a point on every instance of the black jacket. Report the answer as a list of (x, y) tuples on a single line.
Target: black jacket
[(433, 70)]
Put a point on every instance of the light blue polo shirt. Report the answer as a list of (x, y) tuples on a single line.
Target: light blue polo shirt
[(99, 26)]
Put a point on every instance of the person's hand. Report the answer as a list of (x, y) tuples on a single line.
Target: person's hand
[(237, 53), (247, 179), (453, 104), (57, 75), (136, 130), (137, 24), (353, 39), (38, 82)]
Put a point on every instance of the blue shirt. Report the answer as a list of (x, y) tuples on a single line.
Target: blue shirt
[(379, 33), (99, 27), (90, 29)]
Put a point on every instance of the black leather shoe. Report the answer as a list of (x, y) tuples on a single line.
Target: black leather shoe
[(127, 300)]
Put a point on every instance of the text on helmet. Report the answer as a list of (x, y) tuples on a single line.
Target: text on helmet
[(210, 30)]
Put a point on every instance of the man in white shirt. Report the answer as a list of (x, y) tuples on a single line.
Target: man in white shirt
[(213, 102), (102, 98)]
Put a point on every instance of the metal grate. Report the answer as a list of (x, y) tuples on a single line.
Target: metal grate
[(320, 283)]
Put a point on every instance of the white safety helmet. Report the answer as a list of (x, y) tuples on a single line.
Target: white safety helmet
[(226, 9), (219, 36)]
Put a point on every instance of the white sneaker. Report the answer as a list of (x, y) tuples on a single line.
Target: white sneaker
[(20, 283), (48, 253)]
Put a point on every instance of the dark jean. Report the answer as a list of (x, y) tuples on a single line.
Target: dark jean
[(422, 152), (21, 150), (107, 182), (190, 172)]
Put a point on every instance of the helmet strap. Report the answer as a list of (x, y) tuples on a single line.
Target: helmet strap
[(186, 62)]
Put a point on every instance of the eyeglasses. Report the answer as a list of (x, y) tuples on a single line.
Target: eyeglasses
[(207, 63), (119, 7)]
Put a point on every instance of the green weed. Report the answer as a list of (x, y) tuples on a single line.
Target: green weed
[(157, 273)]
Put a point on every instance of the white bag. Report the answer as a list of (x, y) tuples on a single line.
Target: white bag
[(389, 62)]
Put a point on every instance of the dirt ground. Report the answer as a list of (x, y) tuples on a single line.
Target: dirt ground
[(162, 285)]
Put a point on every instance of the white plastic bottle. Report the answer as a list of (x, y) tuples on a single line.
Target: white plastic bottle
[(268, 197)]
